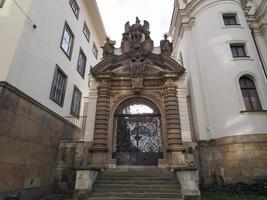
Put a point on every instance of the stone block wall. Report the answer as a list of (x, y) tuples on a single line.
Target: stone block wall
[(29, 139), (71, 156), (234, 159)]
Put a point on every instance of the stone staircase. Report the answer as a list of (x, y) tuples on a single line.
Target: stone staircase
[(135, 184)]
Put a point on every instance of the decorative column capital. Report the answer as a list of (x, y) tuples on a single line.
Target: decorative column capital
[(169, 83)]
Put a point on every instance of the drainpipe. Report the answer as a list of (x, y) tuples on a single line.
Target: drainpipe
[(258, 51)]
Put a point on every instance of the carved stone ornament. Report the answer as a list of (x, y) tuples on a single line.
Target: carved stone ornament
[(139, 66), (104, 83), (137, 84), (169, 83), (136, 37), (121, 84), (152, 83)]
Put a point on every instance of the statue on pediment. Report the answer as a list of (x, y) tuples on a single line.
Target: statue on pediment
[(166, 47), (136, 37), (108, 48)]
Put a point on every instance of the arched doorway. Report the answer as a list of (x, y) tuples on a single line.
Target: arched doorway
[(151, 80), (137, 133)]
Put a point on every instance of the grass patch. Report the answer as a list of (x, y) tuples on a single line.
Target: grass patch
[(225, 196)]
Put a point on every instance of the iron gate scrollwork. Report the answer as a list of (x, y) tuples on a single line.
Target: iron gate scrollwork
[(137, 139)]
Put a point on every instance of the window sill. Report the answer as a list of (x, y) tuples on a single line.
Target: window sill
[(59, 104), (251, 112), (241, 58), (82, 75), (68, 55), (233, 26)]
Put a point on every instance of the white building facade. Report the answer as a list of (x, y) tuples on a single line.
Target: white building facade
[(222, 44), (46, 52), (33, 43)]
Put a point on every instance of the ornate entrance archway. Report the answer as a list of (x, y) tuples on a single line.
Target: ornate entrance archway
[(137, 75), (137, 133)]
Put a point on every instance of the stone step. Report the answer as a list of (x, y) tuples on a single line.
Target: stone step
[(138, 182), (142, 172), (127, 186), (115, 178), (136, 190), (125, 198), (137, 195), (136, 173)]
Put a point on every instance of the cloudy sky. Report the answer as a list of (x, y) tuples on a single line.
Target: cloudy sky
[(116, 13)]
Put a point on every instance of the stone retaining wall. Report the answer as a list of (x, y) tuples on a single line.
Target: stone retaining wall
[(29, 139), (234, 159)]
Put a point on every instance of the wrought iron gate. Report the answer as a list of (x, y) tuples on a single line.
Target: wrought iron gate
[(137, 139)]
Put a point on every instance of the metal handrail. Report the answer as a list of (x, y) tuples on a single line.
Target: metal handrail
[(79, 122)]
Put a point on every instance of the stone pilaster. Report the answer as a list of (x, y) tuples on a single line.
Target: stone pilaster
[(100, 143), (174, 148), (172, 115), (102, 115)]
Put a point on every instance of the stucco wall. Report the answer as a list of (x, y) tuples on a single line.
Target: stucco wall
[(32, 54), (213, 73), (12, 21)]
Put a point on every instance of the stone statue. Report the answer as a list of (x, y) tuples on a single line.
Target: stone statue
[(125, 43), (136, 32), (166, 46), (136, 37), (108, 48), (148, 44)]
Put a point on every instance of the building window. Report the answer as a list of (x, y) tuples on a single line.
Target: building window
[(81, 66), (86, 32), (76, 102), (95, 51), (230, 19), (74, 6), (67, 40), (238, 50), (249, 93), (2, 3), (58, 88)]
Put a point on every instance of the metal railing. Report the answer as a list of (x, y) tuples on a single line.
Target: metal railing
[(79, 122)]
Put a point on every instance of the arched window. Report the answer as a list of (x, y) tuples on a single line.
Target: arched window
[(249, 93)]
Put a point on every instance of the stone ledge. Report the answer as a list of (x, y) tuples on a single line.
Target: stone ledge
[(235, 139), (95, 148), (92, 167)]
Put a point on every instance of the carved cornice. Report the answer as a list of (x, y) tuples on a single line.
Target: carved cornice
[(257, 20), (106, 68)]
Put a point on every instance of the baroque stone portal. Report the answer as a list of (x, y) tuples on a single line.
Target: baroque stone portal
[(137, 75)]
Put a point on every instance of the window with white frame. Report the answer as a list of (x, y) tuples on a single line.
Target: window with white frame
[(81, 66), (76, 102), (249, 93), (67, 40), (86, 32), (230, 19), (75, 7), (95, 50), (58, 87), (238, 50)]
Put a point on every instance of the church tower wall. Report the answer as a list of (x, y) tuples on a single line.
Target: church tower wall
[(228, 133)]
